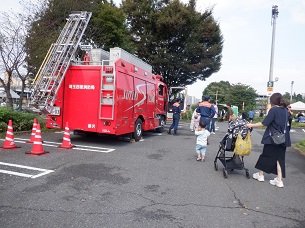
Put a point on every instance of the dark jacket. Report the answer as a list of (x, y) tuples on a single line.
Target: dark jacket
[(277, 116), (206, 109)]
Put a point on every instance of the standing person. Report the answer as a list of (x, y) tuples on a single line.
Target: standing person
[(195, 120), (86, 59), (202, 140), (176, 116), (223, 113), (206, 110), (214, 119), (272, 160), (229, 114), (244, 115), (290, 116), (299, 114), (251, 116)]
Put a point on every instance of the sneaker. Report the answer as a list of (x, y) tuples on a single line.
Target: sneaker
[(256, 176), (213, 133), (198, 159), (277, 183)]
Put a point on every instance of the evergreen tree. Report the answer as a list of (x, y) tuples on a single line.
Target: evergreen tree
[(181, 44), (106, 28)]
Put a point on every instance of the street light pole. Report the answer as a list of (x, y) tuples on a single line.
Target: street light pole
[(291, 90), (275, 13)]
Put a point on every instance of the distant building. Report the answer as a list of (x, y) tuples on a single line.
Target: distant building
[(261, 102), (191, 100)]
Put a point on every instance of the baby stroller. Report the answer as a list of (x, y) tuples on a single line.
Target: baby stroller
[(230, 160)]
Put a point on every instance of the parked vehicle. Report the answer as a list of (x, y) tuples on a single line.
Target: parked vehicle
[(112, 93), (117, 97)]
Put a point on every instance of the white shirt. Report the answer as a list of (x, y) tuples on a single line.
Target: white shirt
[(216, 111), (202, 137)]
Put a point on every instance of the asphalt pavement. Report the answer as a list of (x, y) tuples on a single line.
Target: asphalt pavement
[(156, 182)]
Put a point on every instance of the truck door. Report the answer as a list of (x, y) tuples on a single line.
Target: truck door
[(161, 99), (125, 103), (81, 98)]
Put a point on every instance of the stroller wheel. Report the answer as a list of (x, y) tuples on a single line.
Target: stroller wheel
[(215, 165), (247, 174), (225, 173)]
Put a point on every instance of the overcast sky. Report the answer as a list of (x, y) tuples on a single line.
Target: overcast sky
[(247, 31)]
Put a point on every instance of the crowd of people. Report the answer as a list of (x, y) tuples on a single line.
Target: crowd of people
[(272, 159)]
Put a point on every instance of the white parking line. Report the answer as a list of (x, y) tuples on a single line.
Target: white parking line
[(77, 147), (43, 171), (15, 173)]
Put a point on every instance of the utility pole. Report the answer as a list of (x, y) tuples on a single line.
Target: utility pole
[(291, 90), (270, 83)]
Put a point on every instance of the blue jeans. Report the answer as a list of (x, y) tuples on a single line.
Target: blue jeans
[(213, 124), (176, 118), (201, 149)]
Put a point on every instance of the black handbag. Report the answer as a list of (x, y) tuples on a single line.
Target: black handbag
[(277, 136)]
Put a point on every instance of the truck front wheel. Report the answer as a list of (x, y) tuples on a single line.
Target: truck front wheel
[(137, 135)]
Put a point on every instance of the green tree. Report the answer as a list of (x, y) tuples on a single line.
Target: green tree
[(233, 94), (218, 91), (181, 44), (240, 94), (299, 97), (295, 97), (286, 96), (49, 20), (107, 28)]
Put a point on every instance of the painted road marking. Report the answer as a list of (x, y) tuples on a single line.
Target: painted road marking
[(77, 147), (303, 130), (42, 171)]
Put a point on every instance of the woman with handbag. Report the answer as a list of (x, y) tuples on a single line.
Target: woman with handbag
[(272, 160)]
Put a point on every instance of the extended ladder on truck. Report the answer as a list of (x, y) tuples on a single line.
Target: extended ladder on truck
[(55, 65)]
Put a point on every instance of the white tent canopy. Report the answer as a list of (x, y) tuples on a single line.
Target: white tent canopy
[(299, 106)]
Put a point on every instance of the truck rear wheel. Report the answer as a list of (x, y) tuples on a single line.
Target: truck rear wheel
[(137, 135)]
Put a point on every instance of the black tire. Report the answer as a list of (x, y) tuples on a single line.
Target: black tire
[(215, 165), (225, 173), (160, 129), (138, 130)]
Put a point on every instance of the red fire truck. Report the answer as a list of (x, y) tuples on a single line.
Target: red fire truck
[(119, 96), (112, 93)]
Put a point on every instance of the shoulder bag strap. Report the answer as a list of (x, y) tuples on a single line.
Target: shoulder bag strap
[(276, 128)]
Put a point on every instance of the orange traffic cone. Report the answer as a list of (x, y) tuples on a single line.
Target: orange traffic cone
[(37, 144), (66, 142), (32, 139), (9, 142)]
